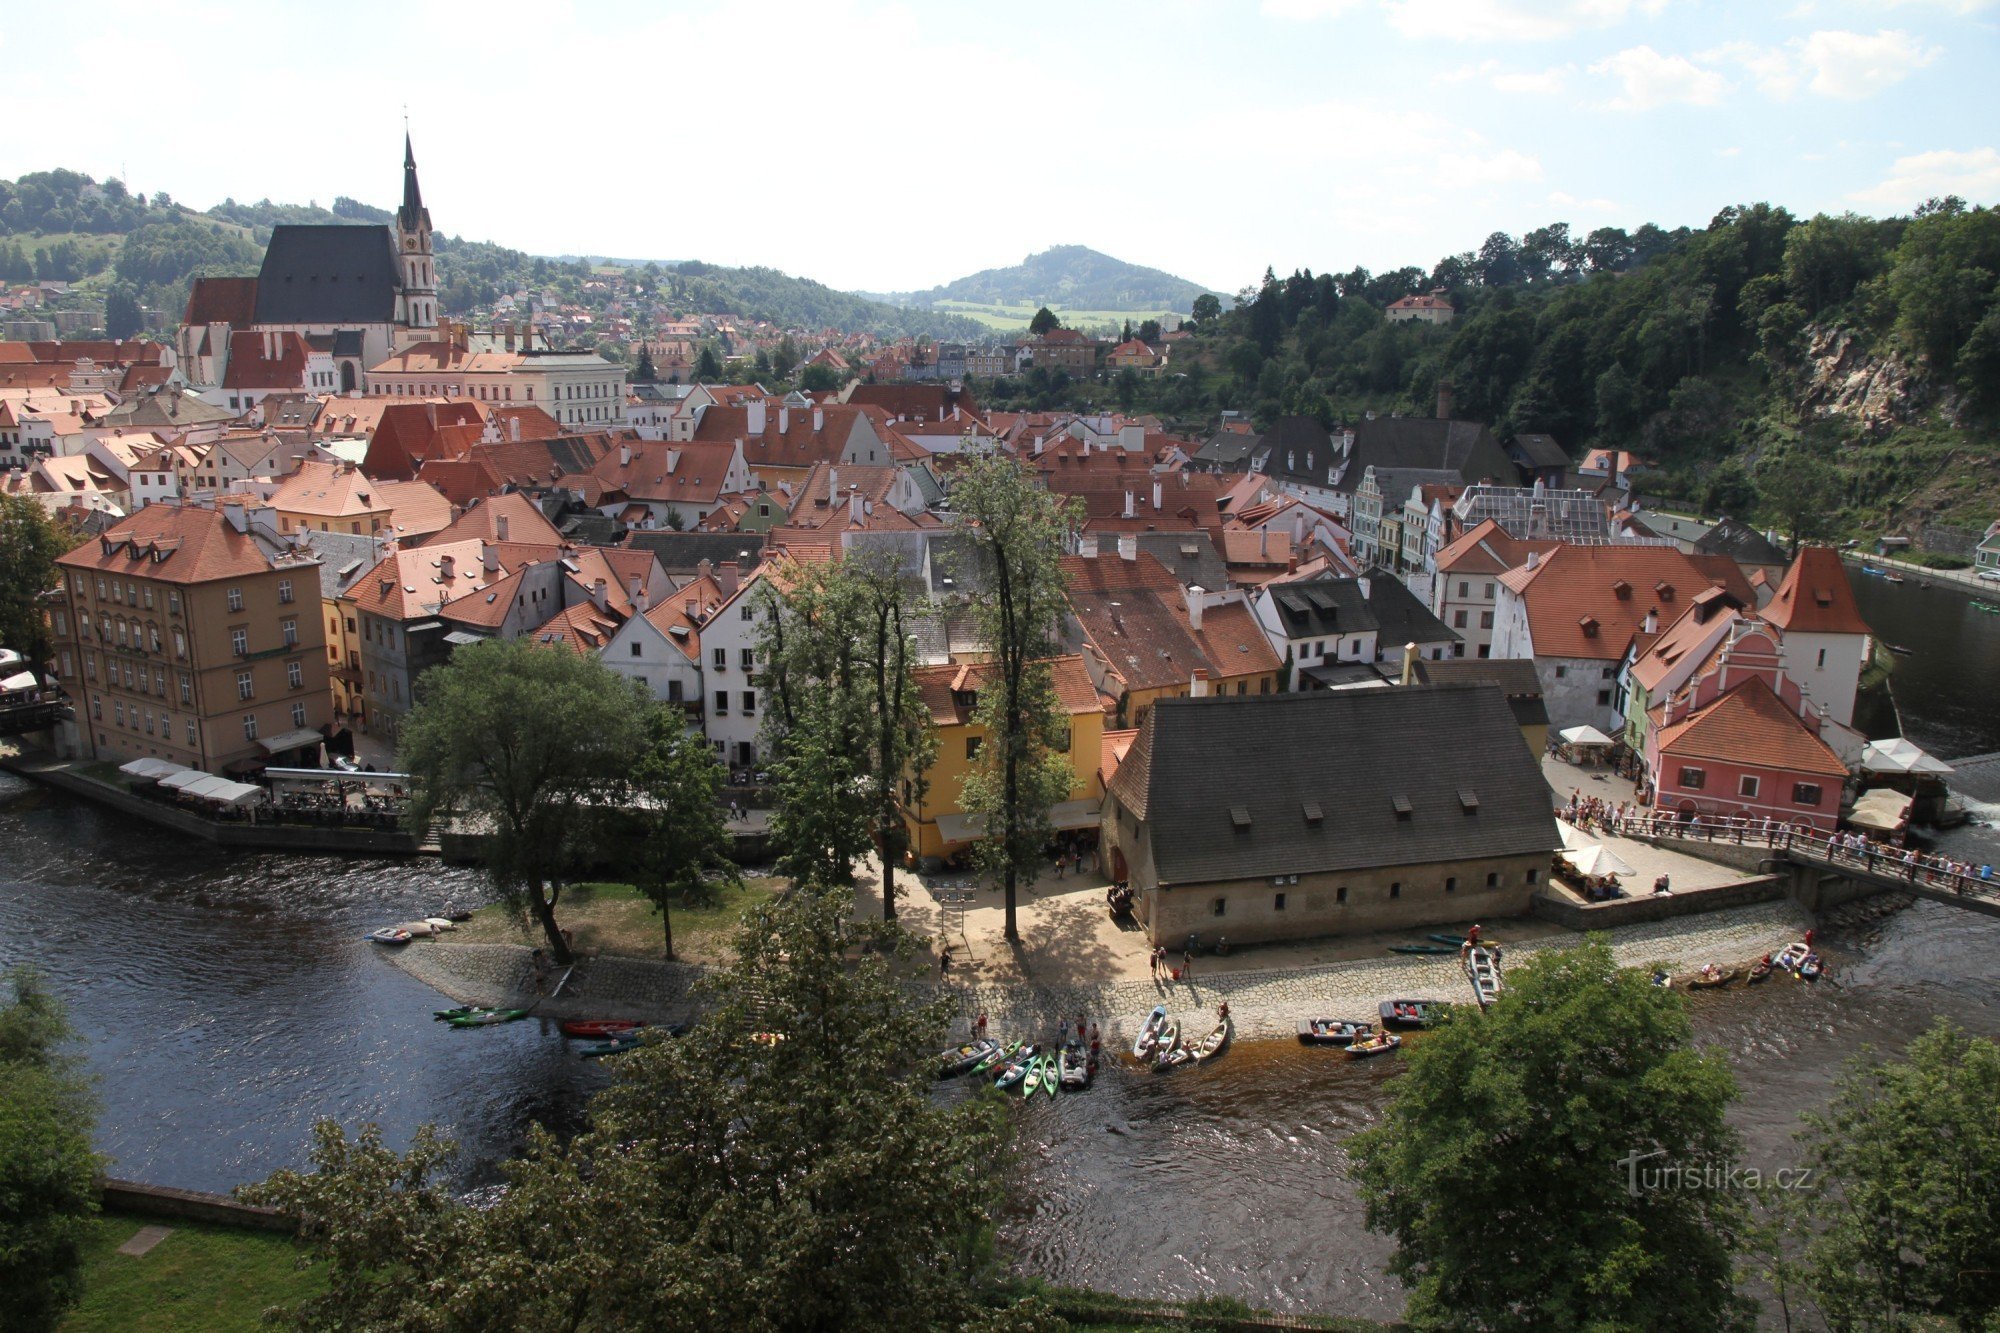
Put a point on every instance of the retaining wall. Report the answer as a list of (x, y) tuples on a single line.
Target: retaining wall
[(129, 1196), (1658, 906)]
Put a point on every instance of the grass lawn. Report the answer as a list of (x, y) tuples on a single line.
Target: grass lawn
[(614, 919), (1007, 318), (198, 1278)]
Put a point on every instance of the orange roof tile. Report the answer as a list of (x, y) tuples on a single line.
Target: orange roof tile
[(1815, 597), (1750, 725), (948, 687), (1588, 601)]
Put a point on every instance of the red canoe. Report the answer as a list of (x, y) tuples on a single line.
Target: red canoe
[(599, 1027)]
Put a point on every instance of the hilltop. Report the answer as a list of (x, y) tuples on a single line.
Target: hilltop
[(1087, 287)]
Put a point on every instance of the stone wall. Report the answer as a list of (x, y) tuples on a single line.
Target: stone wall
[(1657, 907), (129, 1196)]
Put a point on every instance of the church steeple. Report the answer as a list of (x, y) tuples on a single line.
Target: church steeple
[(418, 304)]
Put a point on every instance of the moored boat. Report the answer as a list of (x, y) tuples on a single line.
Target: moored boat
[(1792, 955), (388, 935), (1483, 970), (1711, 977), (1379, 1044), (1759, 971), (1453, 940), (991, 1062), (485, 1018), (1332, 1031), (1663, 979), (1016, 1069), (1435, 950), (1075, 1073), (1211, 1045), (1168, 1052), (599, 1028), (952, 1063), (1810, 967), (1149, 1035), (1408, 1014), (597, 1050), (1032, 1083)]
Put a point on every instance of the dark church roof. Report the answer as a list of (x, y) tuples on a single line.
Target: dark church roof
[(1244, 787), (330, 274), (1465, 448)]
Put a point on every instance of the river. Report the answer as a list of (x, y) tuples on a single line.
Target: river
[(229, 1001)]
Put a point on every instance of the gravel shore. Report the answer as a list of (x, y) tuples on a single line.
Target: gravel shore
[(1263, 1004)]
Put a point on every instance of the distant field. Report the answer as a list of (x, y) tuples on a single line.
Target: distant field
[(1013, 317)]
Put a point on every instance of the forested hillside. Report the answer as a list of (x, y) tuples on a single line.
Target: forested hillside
[(1839, 366), (1074, 276)]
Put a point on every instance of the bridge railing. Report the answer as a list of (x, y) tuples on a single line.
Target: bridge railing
[(1848, 851)]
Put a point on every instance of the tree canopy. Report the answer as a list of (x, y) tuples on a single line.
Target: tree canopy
[(30, 542), (48, 1172)]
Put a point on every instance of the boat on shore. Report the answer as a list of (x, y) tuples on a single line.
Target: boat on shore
[(1075, 1070), (598, 1050), (1408, 1014), (1168, 1052), (952, 1063), (1380, 1044), (1760, 971), (1016, 1069), (1032, 1082), (1810, 967), (599, 1028), (1333, 1031), (1434, 950), (485, 1018), (1211, 1045), (991, 1062), (1793, 954), (1149, 1034), (388, 935), (1483, 970), (1711, 977)]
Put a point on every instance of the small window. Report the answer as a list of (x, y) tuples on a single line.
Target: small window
[(1604, 698), (236, 599), (1218, 906), (1534, 877), (239, 641), (1340, 895), (1451, 884), (244, 688), (972, 747), (749, 658), (1822, 657), (635, 648), (749, 702), (1278, 903), (1561, 672), (721, 659), (249, 726), (1396, 889), (1492, 879), (749, 612), (1692, 779), (722, 702), (1747, 786), (298, 716), (1805, 793)]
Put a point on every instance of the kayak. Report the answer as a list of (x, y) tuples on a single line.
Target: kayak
[(1075, 1067), (952, 1063), (1332, 1031), (445, 1015), (1211, 1045), (993, 1059), (484, 1018), (1051, 1072), (1433, 950), (1149, 1035), (1408, 1013), (1810, 967), (1016, 1069), (1032, 1084), (600, 1028), (1453, 940), (1380, 1044), (597, 1050), (388, 935)]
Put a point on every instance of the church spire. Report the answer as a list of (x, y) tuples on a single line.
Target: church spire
[(413, 211)]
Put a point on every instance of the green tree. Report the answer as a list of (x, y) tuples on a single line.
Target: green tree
[(1906, 1227), (902, 742), (785, 358), (1800, 491), (645, 372), (1018, 531), (1126, 388), (524, 744), (30, 542), (1149, 331), (1206, 310), (122, 316), (677, 783), (725, 1180), (1509, 1166), (707, 368), (819, 378), (1045, 321), (48, 1173), (1979, 363)]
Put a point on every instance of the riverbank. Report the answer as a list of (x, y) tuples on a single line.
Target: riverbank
[(185, 1276), (1265, 1003)]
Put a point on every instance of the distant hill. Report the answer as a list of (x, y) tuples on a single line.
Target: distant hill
[(767, 294), (1073, 277)]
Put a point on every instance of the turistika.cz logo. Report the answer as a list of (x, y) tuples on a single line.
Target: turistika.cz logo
[(1664, 1177)]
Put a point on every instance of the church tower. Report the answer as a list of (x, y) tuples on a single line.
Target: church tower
[(413, 249)]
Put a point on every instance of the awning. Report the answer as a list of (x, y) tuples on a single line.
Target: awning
[(19, 683), (1881, 809), (206, 786), (972, 827), (291, 740), (423, 625), (1897, 755), (462, 638), (184, 779), (149, 767), (1585, 735), (1597, 860)]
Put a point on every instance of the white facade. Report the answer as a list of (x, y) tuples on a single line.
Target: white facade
[(642, 652), (1828, 668), (733, 699), (1468, 604)]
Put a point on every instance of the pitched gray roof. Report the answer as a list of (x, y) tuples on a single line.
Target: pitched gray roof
[(1539, 451), (1741, 543), (1229, 450), (1466, 449), (1399, 617), (681, 553), (1356, 755), (329, 274), (1189, 556), (1514, 675)]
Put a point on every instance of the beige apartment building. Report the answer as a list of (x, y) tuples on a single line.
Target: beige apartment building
[(194, 635)]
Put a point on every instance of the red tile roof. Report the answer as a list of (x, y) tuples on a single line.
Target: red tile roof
[(484, 517), (1750, 726), (1815, 597), (1588, 601), (173, 544), (231, 301), (948, 689), (688, 472), (250, 368)]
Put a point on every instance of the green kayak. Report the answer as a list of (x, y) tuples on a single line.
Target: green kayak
[(992, 1062), (482, 1018), (1033, 1082)]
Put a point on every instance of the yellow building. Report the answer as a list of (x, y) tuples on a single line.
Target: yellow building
[(937, 822)]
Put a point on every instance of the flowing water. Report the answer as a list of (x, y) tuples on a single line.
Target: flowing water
[(229, 1002)]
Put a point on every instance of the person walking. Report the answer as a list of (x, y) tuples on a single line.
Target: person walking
[(1187, 964), (944, 964)]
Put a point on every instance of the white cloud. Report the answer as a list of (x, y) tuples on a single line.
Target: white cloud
[(1511, 20), (1489, 72), (1948, 6), (1973, 175), (1729, 152), (1651, 80), (1852, 65), (1305, 10)]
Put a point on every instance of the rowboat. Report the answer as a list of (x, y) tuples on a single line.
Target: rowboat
[(1379, 1044), (1016, 1069), (599, 1028), (1032, 1083), (1211, 1045), (597, 1050), (485, 1018), (1792, 955), (388, 935), (1075, 1073), (1332, 1031), (1169, 1046), (1408, 1013), (991, 1062), (1149, 1035), (1705, 980), (1893, 578), (1810, 968), (1483, 971), (1432, 949), (1663, 980), (1759, 971), (952, 1063)]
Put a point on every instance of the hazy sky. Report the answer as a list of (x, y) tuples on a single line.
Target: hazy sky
[(894, 146)]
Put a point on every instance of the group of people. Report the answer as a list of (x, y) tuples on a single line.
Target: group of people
[(1070, 854), (1164, 971)]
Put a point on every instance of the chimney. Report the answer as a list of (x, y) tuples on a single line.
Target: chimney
[(1196, 604), (754, 409), (1086, 546), (1038, 446), (234, 514), (1156, 494), (489, 559), (598, 595), (832, 487), (500, 527), (447, 569), (624, 455), (704, 570), (1363, 584), (731, 574), (1128, 504), (1128, 546), (854, 509), (1444, 400), (819, 416), (514, 429), (636, 592), (1198, 682), (1263, 543), (1652, 625), (1534, 559), (1409, 661), (784, 420), (507, 335)]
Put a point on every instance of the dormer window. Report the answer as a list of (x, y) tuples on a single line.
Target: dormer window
[(1589, 626)]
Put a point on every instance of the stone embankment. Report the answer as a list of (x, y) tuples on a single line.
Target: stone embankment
[(1263, 1004)]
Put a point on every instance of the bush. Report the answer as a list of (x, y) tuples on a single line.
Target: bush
[(1938, 560)]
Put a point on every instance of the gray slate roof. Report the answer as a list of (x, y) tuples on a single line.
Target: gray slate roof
[(1741, 543), (1514, 675), (1466, 449), (1355, 754), (329, 274), (681, 553), (1229, 451), (1190, 557), (1311, 608), (1539, 451), (1399, 617)]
